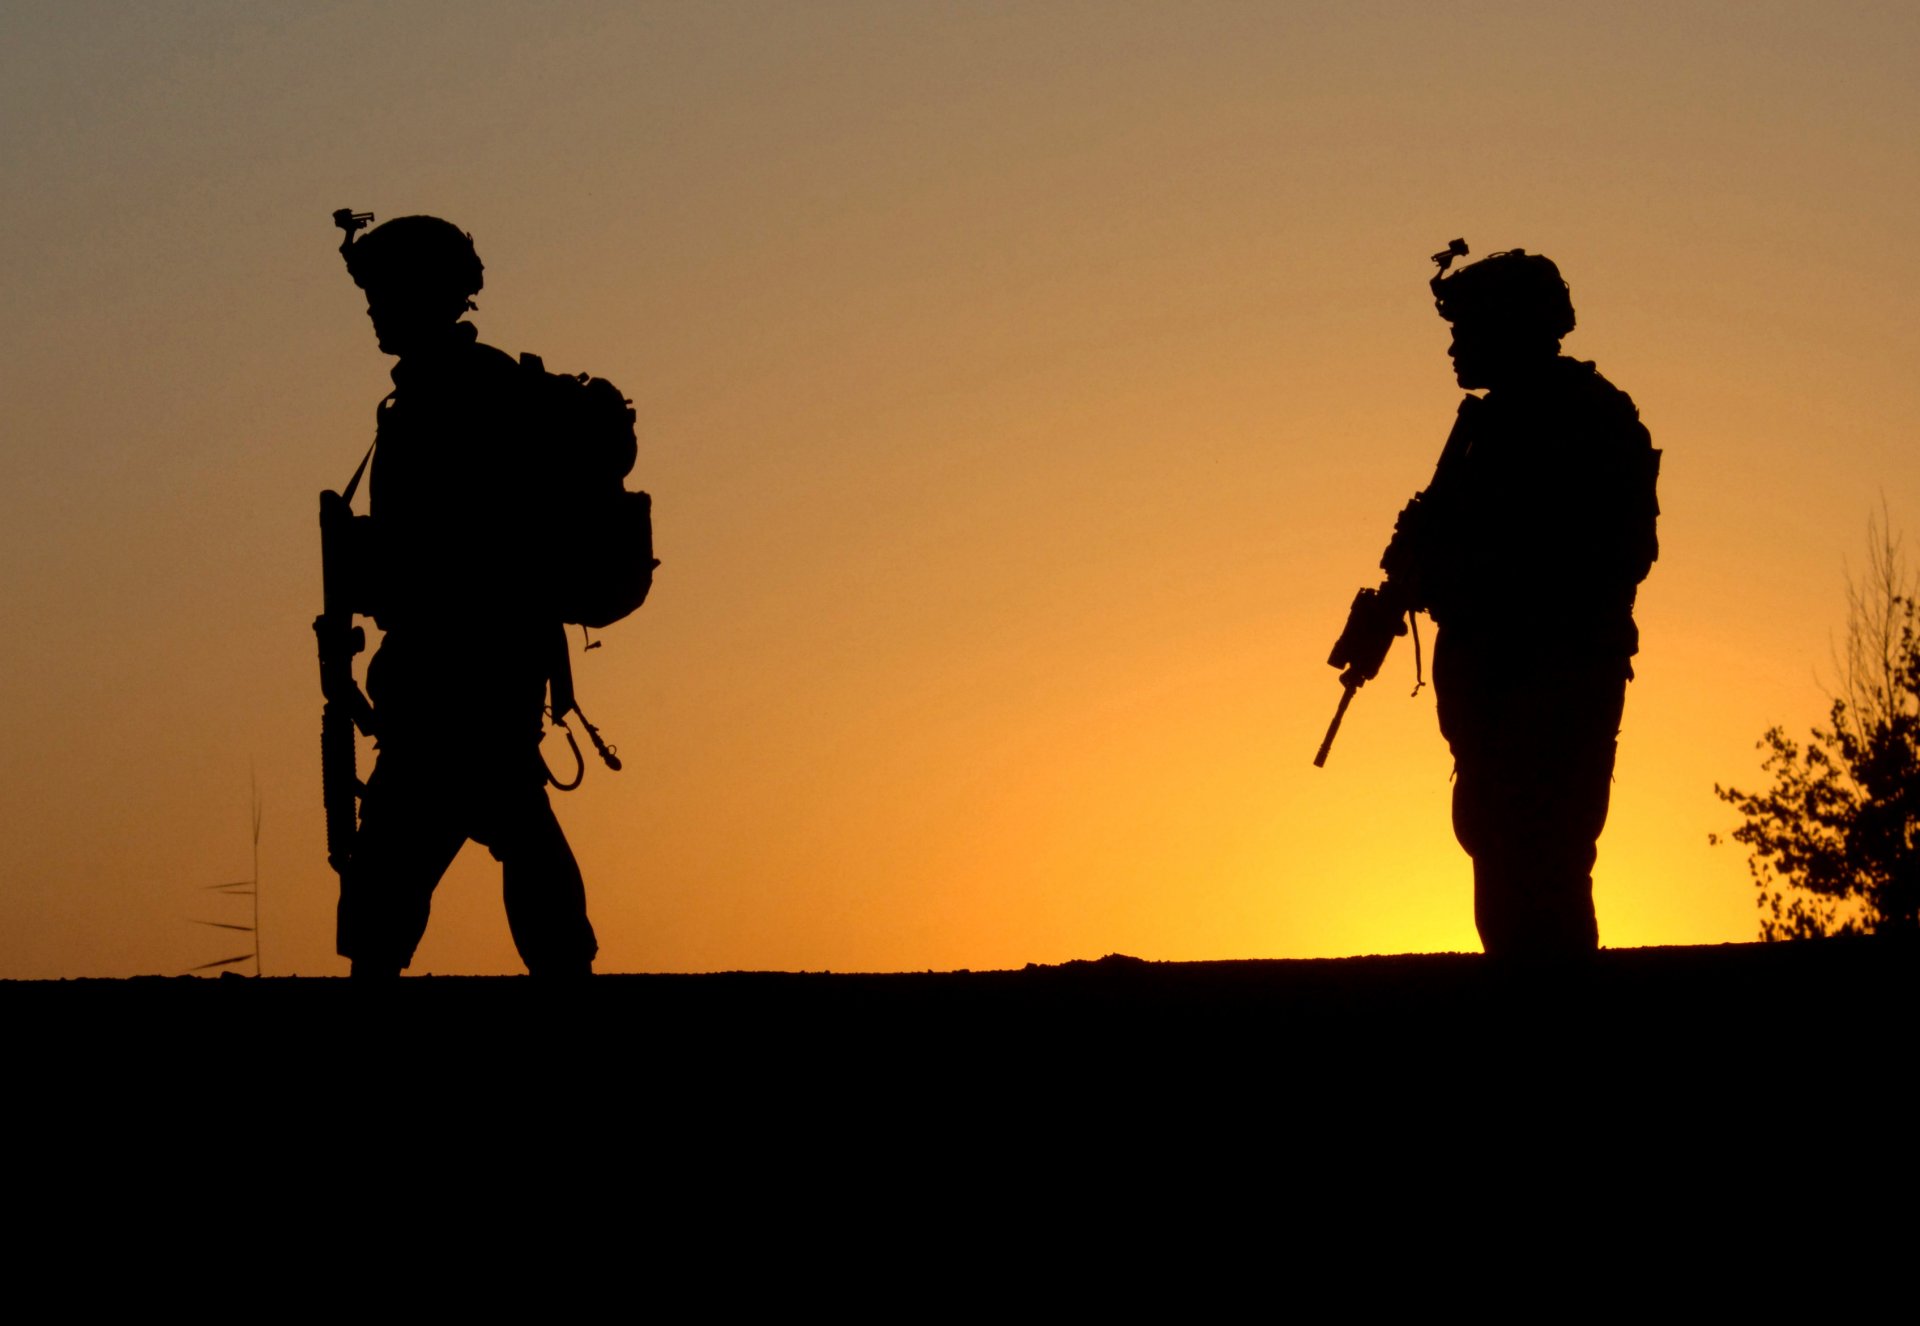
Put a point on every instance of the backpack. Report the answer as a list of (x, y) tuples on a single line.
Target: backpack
[(600, 542), (605, 533)]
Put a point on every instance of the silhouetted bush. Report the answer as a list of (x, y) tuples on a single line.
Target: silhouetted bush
[(1834, 845)]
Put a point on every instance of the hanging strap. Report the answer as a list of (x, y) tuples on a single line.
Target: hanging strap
[(1413, 624), (561, 702), (579, 765), (353, 484)]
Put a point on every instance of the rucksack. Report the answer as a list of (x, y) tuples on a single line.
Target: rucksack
[(603, 552), (599, 537), (605, 562)]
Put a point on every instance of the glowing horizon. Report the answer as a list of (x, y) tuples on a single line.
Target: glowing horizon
[(1023, 391)]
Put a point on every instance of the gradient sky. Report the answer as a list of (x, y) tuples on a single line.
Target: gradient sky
[(1024, 391)]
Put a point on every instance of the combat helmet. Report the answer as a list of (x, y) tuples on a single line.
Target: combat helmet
[(421, 254), (1514, 290)]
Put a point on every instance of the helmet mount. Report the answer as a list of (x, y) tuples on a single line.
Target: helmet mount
[(423, 257), (352, 223), (1512, 291)]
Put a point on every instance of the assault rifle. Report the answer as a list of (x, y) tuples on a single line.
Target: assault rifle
[(1380, 616), (343, 565), (1375, 620)]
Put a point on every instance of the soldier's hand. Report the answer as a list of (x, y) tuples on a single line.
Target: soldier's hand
[(338, 641)]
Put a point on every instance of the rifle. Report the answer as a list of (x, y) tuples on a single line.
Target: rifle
[(343, 563), (1380, 616), (1375, 620)]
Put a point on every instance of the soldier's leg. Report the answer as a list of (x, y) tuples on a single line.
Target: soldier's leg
[(1533, 760), (1533, 895), (545, 895), (1475, 693), (1532, 880), (1494, 819), (1541, 791), (1574, 789), (407, 839)]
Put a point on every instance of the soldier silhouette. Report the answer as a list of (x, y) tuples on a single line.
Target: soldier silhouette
[(1528, 561), (1526, 550), (452, 572)]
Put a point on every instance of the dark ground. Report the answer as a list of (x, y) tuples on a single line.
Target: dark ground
[(1105, 1121), (1708, 1020)]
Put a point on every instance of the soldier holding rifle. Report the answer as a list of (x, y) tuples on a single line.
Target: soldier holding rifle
[(449, 564), (1526, 550)]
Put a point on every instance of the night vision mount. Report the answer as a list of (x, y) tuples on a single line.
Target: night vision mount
[(353, 223), (1456, 248)]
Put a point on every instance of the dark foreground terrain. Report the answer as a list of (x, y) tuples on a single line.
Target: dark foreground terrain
[(844, 1139), (1710, 1020)]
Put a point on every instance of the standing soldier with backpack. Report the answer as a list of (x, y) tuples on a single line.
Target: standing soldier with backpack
[(497, 514), (1527, 550)]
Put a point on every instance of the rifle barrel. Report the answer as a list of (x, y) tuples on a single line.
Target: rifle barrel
[(1333, 728)]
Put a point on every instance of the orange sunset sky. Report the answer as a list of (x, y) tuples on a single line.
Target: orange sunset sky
[(1024, 390)]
